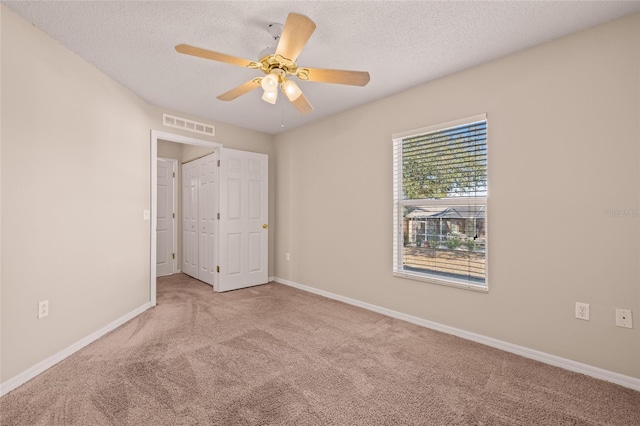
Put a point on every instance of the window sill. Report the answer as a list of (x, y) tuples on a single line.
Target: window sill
[(446, 283)]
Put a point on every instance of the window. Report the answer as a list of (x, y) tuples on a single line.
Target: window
[(440, 203)]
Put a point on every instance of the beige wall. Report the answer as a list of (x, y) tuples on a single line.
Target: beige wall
[(563, 147), (168, 149), (564, 144), (75, 176), (1, 38)]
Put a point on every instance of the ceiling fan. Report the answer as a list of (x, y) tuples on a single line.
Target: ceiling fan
[(280, 66)]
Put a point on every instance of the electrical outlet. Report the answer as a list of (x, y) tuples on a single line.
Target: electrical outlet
[(582, 311), (624, 318), (43, 309), (287, 257)]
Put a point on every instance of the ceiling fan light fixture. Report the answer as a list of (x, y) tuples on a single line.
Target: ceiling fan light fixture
[(270, 96), (270, 82), (291, 90)]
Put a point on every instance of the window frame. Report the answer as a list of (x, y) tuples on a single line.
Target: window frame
[(399, 204)]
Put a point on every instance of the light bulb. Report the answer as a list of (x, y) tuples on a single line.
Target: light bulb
[(270, 96), (269, 82), (291, 90)]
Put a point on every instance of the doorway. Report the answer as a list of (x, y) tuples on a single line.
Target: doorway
[(239, 227), (170, 137)]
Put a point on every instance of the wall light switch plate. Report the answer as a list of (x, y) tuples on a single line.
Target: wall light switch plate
[(146, 214)]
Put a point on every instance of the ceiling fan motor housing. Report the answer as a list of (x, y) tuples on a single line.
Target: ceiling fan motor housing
[(275, 30), (275, 62)]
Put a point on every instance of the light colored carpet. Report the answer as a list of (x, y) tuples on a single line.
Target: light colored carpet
[(274, 355)]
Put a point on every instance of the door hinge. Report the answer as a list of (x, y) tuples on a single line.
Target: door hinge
[(174, 174), (174, 215), (218, 216), (218, 163), (217, 269), (173, 255)]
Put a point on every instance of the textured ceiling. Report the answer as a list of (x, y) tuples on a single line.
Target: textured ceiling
[(402, 44)]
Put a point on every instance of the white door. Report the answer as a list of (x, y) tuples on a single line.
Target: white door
[(190, 219), (208, 218), (165, 250), (244, 201)]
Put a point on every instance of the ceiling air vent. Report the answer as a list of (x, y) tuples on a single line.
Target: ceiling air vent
[(190, 125)]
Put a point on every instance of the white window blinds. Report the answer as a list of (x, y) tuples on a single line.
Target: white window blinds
[(440, 192)]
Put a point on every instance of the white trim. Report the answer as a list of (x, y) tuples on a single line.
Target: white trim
[(45, 364), (567, 364), (448, 282), (155, 136), (154, 219)]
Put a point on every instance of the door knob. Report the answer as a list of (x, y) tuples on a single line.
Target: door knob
[(265, 226)]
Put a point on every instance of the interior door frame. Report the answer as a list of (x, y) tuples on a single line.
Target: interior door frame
[(170, 137)]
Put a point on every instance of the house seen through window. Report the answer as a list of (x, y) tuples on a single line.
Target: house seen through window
[(440, 203)]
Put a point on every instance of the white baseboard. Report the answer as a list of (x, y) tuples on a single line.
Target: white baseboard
[(43, 365), (567, 364)]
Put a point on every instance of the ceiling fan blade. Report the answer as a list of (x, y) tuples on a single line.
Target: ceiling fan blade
[(295, 34), (208, 54), (240, 90), (302, 104), (352, 78)]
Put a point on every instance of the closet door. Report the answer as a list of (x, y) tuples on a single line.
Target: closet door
[(165, 253), (190, 219), (243, 219), (208, 218)]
